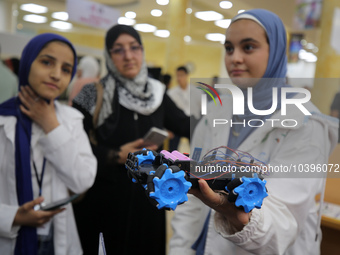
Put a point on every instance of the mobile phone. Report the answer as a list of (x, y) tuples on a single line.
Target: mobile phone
[(58, 204), (155, 136)]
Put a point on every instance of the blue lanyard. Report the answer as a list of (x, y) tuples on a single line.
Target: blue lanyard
[(40, 180)]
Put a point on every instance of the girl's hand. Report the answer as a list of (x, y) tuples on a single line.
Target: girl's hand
[(27, 216), (235, 218), (38, 109)]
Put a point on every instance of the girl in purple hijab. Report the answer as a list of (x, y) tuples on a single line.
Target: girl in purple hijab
[(44, 153)]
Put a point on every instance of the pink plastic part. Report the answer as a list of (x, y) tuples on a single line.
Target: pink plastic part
[(168, 155), (175, 155), (180, 156)]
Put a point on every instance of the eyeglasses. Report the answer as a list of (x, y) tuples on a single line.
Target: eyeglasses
[(122, 51)]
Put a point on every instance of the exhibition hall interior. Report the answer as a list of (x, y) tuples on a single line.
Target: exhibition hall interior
[(192, 33)]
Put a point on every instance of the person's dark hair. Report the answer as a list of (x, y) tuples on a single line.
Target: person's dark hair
[(114, 32), (166, 79), (13, 64), (183, 68)]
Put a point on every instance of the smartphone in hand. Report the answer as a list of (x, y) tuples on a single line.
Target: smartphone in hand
[(57, 204), (155, 136)]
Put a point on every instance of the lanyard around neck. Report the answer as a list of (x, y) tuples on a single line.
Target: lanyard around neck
[(39, 179)]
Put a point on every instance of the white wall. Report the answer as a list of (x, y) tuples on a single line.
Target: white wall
[(13, 44)]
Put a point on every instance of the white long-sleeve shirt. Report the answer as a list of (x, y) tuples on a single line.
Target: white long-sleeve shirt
[(188, 100), (70, 165)]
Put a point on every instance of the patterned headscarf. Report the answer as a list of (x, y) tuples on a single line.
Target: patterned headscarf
[(141, 94)]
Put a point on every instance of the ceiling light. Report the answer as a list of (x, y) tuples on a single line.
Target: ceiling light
[(223, 23), (60, 15), (188, 10), (35, 18), (34, 8), (61, 25), (216, 37), (208, 15), (126, 21), (130, 15), (240, 11), (187, 38), (162, 33), (226, 4), (147, 28), (156, 13), (162, 2)]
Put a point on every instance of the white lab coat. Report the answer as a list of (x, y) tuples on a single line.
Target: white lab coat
[(287, 222), (70, 165), (188, 100)]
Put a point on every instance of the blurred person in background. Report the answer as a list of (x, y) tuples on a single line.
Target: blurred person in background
[(180, 94), (166, 79), (88, 72), (187, 98), (8, 82), (335, 109), (13, 64)]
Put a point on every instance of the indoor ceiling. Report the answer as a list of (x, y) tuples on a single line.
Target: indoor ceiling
[(285, 9)]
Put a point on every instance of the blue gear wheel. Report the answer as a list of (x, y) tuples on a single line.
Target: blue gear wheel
[(171, 190), (146, 159), (251, 193)]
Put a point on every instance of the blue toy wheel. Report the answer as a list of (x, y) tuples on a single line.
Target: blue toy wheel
[(251, 193), (145, 158), (171, 189)]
